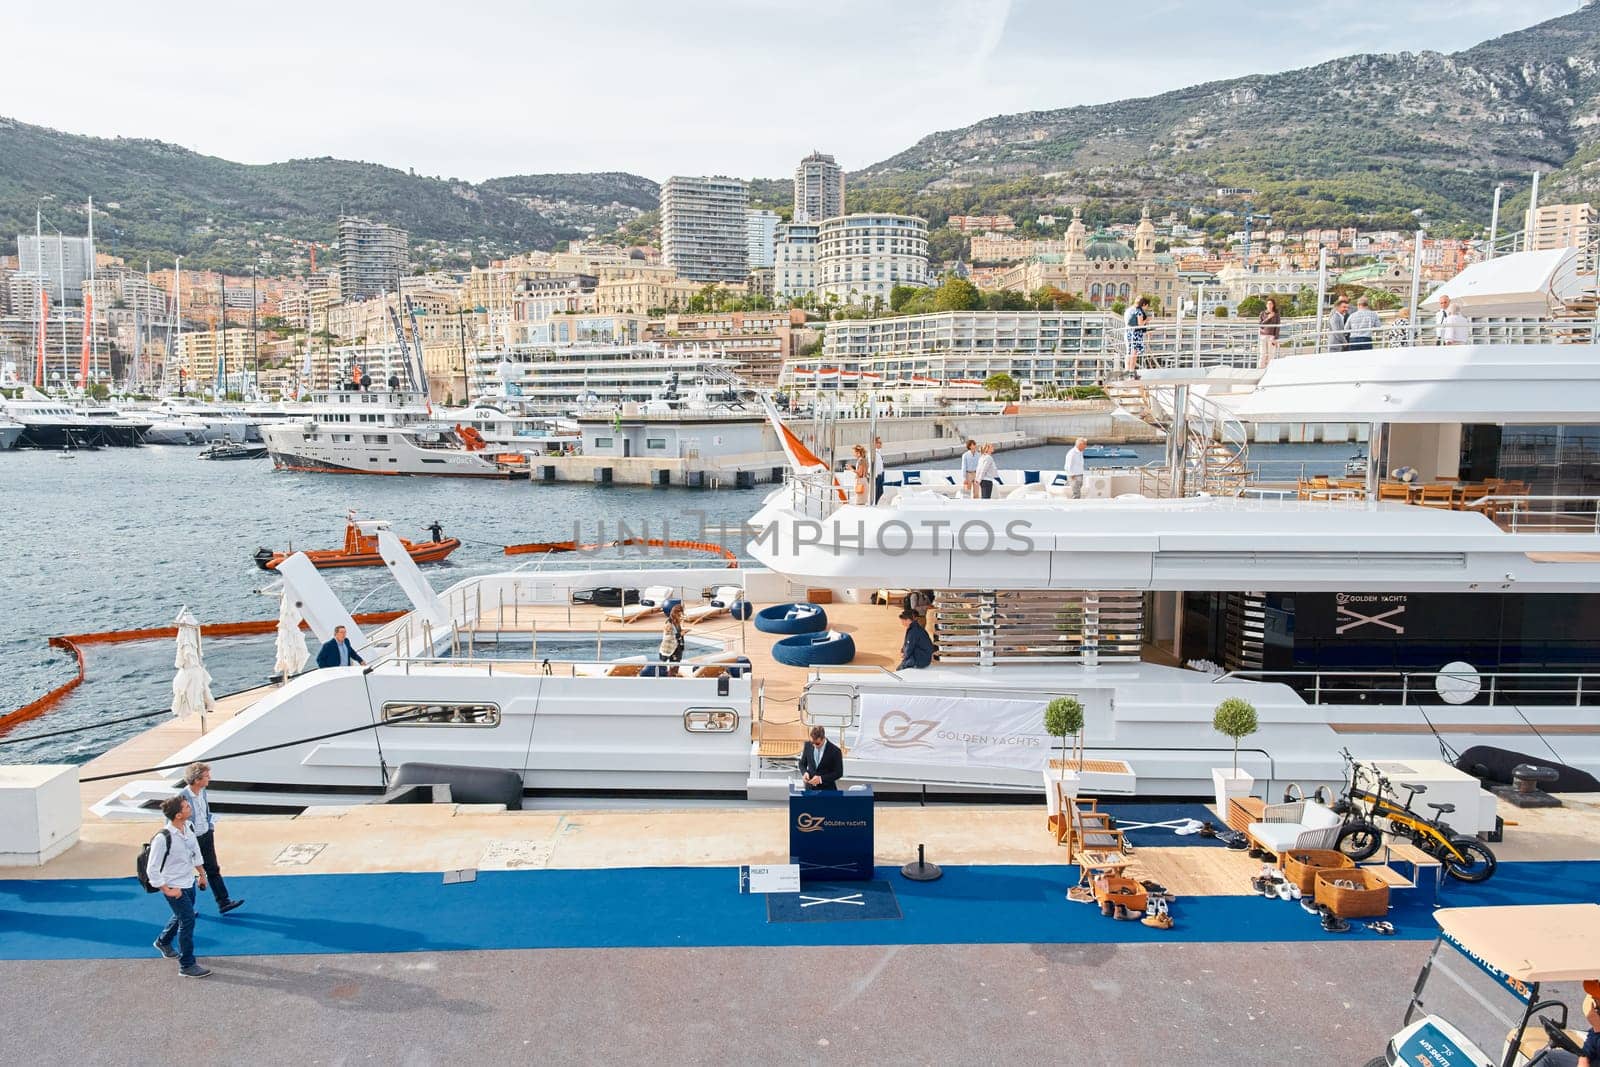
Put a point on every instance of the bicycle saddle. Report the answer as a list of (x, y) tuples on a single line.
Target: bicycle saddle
[(1443, 809), (1415, 788)]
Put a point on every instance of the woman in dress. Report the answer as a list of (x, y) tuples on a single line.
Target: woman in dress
[(863, 474), (1271, 326)]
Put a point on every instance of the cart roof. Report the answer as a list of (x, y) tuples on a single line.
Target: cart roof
[(1535, 942)]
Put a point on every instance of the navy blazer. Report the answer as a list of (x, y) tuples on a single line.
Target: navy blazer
[(328, 654), (917, 650), (830, 768)]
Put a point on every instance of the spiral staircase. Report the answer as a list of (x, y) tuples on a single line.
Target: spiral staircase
[(1218, 443)]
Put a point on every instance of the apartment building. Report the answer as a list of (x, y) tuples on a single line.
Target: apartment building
[(645, 290), (818, 189), (761, 237), (998, 248), (63, 263), (540, 299), (1059, 348), (982, 223), (372, 257), (196, 354), (757, 342), (866, 255), (1559, 226), (794, 260), (703, 233)]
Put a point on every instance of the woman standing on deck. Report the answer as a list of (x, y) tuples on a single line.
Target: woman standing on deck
[(986, 472), (863, 474), (1271, 327), (672, 636)]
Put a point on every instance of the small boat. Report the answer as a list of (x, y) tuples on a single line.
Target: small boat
[(361, 548), (227, 448), (1108, 452), (1356, 465)]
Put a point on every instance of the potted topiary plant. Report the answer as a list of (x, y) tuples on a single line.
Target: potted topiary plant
[(1235, 719), (1063, 717)]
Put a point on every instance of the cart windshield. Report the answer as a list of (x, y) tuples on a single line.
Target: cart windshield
[(1483, 1004)]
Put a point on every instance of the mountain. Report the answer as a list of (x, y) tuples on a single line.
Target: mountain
[(1366, 136), (159, 200)]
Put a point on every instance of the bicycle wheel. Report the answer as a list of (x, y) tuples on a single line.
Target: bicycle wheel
[(1480, 860), (1359, 840)]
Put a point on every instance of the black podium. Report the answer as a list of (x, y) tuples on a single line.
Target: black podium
[(830, 834)]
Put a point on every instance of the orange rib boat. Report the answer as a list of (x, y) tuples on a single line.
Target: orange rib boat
[(361, 549)]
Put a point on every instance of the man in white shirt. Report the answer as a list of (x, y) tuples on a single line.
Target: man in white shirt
[(969, 469), (198, 777), (877, 469), (1075, 468), (174, 867), (1452, 326)]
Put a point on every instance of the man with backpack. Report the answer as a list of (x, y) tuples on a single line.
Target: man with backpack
[(174, 865)]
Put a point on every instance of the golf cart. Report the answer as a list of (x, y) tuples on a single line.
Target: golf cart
[(1479, 988)]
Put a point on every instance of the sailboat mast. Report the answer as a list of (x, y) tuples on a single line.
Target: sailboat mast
[(88, 306)]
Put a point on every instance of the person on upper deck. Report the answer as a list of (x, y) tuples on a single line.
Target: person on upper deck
[(821, 762), (1364, 324), (337, 651), (969, 469), (1271, 326), (1339, 326), (987, 473), (1075, 467), (916, 651), (1453, 327)]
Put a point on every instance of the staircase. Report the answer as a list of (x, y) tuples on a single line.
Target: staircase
[(1218, 443)]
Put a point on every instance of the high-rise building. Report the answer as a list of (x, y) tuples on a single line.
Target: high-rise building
[(63, 263), (1559, 226), (794, 260), (703, 228), (372, 257), (761, 235), (864, 256), (818, 189)]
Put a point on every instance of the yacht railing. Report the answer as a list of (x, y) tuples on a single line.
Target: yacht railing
[(1485, 688), (524, 667), (1565, 513)]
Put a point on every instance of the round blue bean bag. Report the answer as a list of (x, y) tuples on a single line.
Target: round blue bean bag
[(740, 609), (827, 649), (792, 619)]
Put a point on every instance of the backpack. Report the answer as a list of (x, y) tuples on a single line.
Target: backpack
[(141, 866)]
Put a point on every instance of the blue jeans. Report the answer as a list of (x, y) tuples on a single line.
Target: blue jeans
[(181, 925)]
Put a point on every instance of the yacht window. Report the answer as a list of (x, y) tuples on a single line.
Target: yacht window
[(711, 720), (418, 714)]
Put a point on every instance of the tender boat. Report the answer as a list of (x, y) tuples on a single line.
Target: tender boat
[(226, 449), (1108, 452), (361, 548)]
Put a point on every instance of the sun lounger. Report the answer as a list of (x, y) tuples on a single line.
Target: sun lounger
[(722, 601), (650, 602)]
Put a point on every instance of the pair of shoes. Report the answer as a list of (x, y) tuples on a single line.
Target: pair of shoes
[(1310, 906), (1295, 892), (1287, 890), (223, 909), (1081, 894), (1107, 908), (1207, 829), (166, 950), (1332, 923), (1382, 926), (1123, 914), (194, 970)]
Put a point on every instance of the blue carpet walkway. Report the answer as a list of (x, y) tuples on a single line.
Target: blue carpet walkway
[(654, 907)]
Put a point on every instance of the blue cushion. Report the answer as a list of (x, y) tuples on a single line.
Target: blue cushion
[(910, 477), (1030, 477), (815, 650), (1059, 479), (791, 619)]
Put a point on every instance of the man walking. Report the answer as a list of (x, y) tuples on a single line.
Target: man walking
[(198, 777), (969, 469), (174, 867), (337, 652), (916, 651), (1075, 468), (1339, 326), (1363, 324)]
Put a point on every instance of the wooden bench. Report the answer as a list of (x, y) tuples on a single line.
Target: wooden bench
[(1404, 866)]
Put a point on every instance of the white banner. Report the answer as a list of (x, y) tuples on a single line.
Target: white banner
[(953, 731)]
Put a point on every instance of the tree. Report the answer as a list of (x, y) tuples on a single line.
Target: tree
[(1002, 386), (1220, 311), (957, 294), (901, 295), (1064, 716), (1236, 719)]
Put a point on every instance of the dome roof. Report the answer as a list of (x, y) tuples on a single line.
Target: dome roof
[(1104, 245)]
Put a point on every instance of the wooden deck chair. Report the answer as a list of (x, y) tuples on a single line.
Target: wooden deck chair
[(1394, 491), (650, 601), (1091, 834), (624, 670), (1438, 496)]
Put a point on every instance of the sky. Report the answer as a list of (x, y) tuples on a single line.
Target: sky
[(655, 87)]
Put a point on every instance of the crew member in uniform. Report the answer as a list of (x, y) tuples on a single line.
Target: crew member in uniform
[(821, 764)]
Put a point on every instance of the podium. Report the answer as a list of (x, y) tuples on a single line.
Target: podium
[(830, 834)]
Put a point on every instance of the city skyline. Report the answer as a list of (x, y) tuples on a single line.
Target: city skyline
[(863, 83)]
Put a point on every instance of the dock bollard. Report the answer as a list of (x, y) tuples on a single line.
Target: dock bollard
[(921, 870)]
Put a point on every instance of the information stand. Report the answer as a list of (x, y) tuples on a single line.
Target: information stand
[(830, 834)]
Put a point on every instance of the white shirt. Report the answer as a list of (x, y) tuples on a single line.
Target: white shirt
[(1074, 462), (986, 469), (174, 866), (1453, 328), (877, 463), (200, 811), (969, 461)]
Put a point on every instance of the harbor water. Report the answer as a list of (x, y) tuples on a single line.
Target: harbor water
[(124, 538)]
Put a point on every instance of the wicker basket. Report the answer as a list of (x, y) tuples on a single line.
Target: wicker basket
[(1370, 900), (1300, 865), (1120, 889)]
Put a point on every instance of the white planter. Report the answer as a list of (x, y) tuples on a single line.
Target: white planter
[(1230, 783), (1069, 783)]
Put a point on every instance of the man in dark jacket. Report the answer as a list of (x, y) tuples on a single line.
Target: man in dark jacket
[(338, 652), (821, 762), (917, 650)]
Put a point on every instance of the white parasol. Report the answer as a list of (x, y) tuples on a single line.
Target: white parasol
[(291, 648), (191, 687)]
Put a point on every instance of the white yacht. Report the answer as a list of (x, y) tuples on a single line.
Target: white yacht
[(380, 431), (506, 428), (115, 427), (177, 415), (10, 433), (547, 378), (49, 423)]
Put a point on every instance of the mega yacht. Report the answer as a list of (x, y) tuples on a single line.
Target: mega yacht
[(380, 431), (115, 427), (506, 428), (49, 423), (177, 417), (10, 433), (1445, 601)]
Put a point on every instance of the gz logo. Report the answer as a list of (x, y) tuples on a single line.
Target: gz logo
[(806, 823), (899, 730)]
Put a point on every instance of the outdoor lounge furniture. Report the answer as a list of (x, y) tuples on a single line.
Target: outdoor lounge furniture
[(722, 601), (791, 619), (651, 602), (1302, 824), (827, 649)]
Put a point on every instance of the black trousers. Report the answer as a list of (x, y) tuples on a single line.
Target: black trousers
[(986, 487), (208, 856)]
